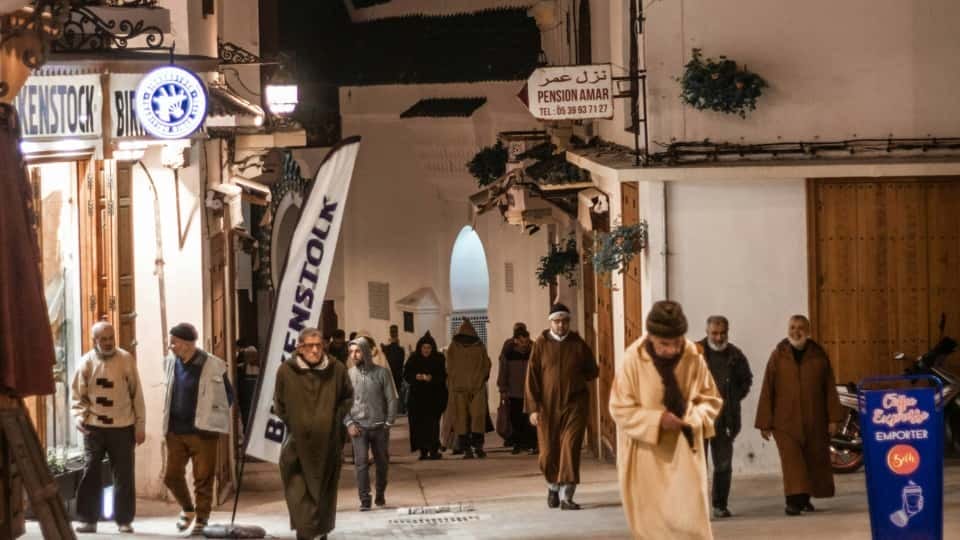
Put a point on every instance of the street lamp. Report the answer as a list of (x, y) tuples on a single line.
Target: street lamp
[(281, 97)]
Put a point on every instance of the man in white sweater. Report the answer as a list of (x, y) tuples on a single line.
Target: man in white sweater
[(109, 410)]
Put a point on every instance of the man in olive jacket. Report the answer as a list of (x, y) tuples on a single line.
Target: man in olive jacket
[(312, 396)]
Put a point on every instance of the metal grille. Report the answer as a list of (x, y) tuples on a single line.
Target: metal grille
[(452, 519), (508, 276), (478, 319)]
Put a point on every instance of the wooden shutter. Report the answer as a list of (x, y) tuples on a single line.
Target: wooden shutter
[(632, 306), (126, 294)]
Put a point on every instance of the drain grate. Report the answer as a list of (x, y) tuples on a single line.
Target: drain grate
[(419, 521)]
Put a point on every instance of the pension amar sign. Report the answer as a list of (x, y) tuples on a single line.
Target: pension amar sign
[(571, 92)]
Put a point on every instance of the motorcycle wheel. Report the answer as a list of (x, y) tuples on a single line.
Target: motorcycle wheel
[(845, 461)]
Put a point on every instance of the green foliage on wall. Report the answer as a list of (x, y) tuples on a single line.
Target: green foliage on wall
[(489, 164), (720, 85), (612, 251), (561, 260)]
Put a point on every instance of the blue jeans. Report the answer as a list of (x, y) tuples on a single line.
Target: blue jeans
[(378, 440)]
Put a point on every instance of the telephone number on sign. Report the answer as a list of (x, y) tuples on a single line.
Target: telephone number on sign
[(582, 109)]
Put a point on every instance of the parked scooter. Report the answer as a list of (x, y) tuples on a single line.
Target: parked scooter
[(846, 446)]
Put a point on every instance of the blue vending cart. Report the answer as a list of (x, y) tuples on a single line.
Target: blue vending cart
[(902, 429)]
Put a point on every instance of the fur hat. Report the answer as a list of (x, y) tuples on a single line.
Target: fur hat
[(184, 331), (666, 320)]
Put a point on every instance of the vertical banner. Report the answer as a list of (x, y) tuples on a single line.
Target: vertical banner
[(903, 445), (303, 283)]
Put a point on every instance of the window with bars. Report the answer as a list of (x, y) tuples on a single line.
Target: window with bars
[(478, 319)]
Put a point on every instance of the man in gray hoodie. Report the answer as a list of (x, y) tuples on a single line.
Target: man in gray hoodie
[(373, 412)]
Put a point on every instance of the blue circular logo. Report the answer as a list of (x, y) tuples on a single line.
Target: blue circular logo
[(171, 102)]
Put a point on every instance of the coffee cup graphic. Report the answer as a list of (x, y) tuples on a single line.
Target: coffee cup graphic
[(912, 501)]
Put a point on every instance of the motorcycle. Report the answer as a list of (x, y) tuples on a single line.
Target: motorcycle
[(846, 445)]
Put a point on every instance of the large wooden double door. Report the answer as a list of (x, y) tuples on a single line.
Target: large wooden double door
[(884, 266)]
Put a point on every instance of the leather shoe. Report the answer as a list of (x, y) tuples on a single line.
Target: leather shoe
[(553, 498), (720, 513), (569, 505), (807, 507), (792, 510), (87, 528)]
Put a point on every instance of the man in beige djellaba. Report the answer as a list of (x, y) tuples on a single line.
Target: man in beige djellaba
[(664, 402)]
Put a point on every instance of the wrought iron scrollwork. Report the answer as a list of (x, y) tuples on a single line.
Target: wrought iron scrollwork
[(86, 31), (231, 53), (116, 3)]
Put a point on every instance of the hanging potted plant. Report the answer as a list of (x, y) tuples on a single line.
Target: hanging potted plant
[(612, 251), (720, 85), (561, 260), (488, 164)]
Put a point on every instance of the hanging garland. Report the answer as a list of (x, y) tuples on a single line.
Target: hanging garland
[(720, 85), (561, 260), (612, 251), (290, 181)]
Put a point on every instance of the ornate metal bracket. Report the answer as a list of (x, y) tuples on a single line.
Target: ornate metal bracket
[(45, 18), (231, 53), (85, 30)]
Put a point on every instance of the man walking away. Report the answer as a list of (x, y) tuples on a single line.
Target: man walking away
[(468, 368), (395, 357), (512, 380)]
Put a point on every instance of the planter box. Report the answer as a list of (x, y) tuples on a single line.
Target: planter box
[(67, 484)]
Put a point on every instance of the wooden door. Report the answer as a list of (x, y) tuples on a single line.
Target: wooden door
[(218, 347), (632, 306), (884, 265), (126, 294), (605, 359)]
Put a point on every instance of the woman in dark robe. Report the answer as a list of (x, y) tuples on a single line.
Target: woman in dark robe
[(427, 376)]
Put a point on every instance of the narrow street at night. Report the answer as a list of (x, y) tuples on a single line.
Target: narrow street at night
[(503, 497)]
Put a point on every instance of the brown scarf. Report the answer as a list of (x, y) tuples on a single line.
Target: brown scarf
[(673, 398)]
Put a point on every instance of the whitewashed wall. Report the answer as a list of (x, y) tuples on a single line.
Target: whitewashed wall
[(739, 249), (859, 68), (184, 277), (409, 200)]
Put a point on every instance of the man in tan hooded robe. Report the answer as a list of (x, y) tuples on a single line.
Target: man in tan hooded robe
[(664, 402), (468, 368)]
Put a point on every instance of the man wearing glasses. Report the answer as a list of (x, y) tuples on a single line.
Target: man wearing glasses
[(312, 396)]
